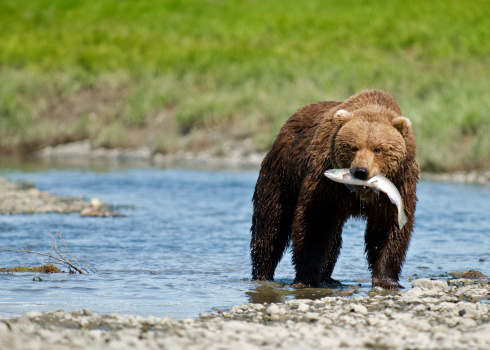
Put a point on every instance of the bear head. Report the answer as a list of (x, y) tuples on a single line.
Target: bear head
[(370, 141)]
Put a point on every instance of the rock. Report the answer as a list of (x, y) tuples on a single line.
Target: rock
[(472, 274), (96, 203), (456, 274), (426, 284), (412, 295), (34, 192), (273, 309), (357, 308), (87, 312), (33, 314), (303, 307), (473, 292)]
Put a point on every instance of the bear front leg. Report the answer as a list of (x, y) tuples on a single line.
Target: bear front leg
[(386, 247), (315, 244), (311, 249), (327, 269)]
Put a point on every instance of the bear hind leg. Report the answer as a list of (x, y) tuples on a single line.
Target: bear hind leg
[(271, 234), (267, 249)]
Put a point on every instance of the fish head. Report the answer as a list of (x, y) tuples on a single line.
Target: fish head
[(336, 173)]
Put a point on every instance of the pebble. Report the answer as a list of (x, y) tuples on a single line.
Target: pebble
[(426, 284), (303, 307), (431, 321), (273, 309)]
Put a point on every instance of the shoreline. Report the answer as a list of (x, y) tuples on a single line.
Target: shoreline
[(229, 155), (431, 315)]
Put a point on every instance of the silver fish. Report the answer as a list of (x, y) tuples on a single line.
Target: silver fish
[(377, 183)]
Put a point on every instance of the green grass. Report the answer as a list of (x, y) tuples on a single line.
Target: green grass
[(125, 73)]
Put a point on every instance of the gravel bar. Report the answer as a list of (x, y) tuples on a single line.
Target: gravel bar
[(23, 198), (431, 315)]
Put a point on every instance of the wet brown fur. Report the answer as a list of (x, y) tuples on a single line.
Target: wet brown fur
[(294, 203)]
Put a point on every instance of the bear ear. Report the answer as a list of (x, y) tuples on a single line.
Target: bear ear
[(342, 116), (403, 125)]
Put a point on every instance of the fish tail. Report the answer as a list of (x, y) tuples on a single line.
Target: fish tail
[(402, 219)]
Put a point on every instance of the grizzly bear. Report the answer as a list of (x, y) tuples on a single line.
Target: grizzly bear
[(294, 203)]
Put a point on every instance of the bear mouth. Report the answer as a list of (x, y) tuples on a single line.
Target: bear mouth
[(357, 188)]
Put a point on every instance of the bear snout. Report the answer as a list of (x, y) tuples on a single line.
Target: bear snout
[(360, 172)]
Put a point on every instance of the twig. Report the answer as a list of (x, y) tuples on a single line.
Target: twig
[(90, 267), (68, 250), (61, 258)]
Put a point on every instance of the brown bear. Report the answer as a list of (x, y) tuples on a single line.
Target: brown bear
[(295, 203)]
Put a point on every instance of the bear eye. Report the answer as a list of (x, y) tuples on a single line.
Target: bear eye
[(377, 150), (354, 149)]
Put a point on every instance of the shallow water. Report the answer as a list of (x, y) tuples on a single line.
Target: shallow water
[(184, 247)]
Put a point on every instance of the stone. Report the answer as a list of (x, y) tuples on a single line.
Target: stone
[(426, 284), (273, 309)]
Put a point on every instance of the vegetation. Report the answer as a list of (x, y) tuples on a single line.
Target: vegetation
[(48, 268), (184, 74)]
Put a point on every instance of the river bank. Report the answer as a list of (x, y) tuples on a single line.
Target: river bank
[(433, 314), (227, 155)]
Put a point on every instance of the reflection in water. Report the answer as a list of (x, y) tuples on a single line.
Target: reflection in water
[(276, 292)]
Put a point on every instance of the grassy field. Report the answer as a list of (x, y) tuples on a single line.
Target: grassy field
[(188, 74)]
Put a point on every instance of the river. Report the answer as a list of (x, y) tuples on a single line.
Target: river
[(183, 247)]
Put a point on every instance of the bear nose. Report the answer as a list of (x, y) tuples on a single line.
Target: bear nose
[(361, 173)]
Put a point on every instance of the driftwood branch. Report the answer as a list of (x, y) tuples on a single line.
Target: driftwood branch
[(92, 269), (60, 257)]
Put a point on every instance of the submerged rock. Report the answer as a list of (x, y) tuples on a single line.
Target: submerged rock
[(472, 274), (90, 212)]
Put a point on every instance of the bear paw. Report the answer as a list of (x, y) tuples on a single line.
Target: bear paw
[(386, 283), (331, 282)]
